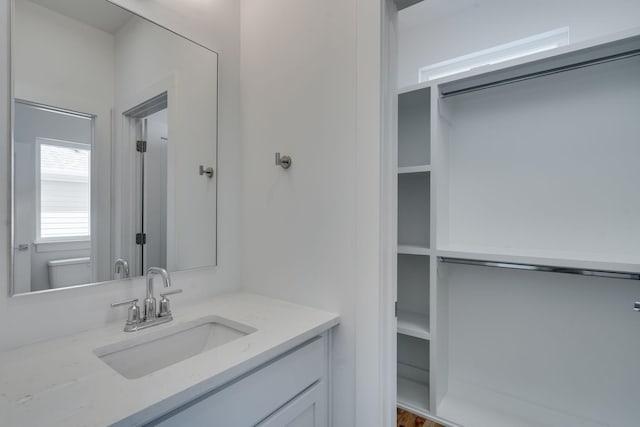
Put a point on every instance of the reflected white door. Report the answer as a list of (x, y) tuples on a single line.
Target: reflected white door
[(24, 209), (155, 190)]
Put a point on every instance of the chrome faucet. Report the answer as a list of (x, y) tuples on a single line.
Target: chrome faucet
[(149, 317), (122, 268), (150, 301)]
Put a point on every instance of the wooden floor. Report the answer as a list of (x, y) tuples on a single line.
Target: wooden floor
[(407, 419)]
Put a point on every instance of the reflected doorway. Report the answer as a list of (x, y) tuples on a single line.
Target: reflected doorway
[(151, 123)]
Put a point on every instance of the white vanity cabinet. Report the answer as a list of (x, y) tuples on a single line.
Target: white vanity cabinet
[(290, 390)]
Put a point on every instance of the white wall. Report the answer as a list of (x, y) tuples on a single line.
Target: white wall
[(311, 89), (298, 97), (214, 23), (437, 30)]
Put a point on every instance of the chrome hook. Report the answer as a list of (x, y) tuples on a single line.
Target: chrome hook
[(284, 161), (208, 171)]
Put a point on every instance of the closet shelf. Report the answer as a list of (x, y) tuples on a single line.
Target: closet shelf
[(414, 169), (414, 324), (413, 250), (481, 407), (552, 62), (546, 258)]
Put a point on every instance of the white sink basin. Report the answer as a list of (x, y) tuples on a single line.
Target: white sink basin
[(144, 354)]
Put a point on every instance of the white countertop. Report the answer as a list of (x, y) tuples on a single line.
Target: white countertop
[(62, 383)]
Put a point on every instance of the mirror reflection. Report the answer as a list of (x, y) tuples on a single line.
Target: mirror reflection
[(114, 146)]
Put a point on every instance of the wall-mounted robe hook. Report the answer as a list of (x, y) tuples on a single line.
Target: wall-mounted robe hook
[(206, 171), (284, 161)]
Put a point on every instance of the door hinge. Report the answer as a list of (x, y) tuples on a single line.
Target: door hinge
[(396, 309), (141, 239), (141, 146)]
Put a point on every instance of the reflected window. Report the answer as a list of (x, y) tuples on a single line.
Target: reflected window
[(64, 200)]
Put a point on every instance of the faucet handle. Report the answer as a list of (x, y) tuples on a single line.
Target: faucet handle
[(164, 310), (174, 291), (133, 315), (132, 301)]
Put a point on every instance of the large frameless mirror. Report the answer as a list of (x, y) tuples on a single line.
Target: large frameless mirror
[(114, 146)]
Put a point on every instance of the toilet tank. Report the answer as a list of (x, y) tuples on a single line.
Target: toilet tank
[(69, 272)]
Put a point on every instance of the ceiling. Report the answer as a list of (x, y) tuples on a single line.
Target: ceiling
[(432, 10), (96, 13)]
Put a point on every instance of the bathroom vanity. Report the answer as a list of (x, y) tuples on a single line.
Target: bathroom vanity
[(114, 176), (238, 360)]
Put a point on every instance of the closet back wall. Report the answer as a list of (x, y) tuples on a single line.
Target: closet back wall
[(544, 168), (544, 343), (437, 30)]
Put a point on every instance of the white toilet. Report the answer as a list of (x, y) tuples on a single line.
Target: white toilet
[(69, 272)]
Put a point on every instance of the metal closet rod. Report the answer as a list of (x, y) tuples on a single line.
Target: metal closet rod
[(545, 268), (583, 64)]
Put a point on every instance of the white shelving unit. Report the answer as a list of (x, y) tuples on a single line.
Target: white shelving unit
[(532, 162), (414, 253)]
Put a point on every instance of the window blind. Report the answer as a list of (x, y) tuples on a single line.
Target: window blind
[(64, 191)]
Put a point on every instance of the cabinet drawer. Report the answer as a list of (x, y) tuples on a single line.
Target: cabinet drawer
[(251, 398), (306, 410)]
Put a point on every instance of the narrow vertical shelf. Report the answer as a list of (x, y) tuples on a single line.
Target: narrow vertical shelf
[(414, 250)]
